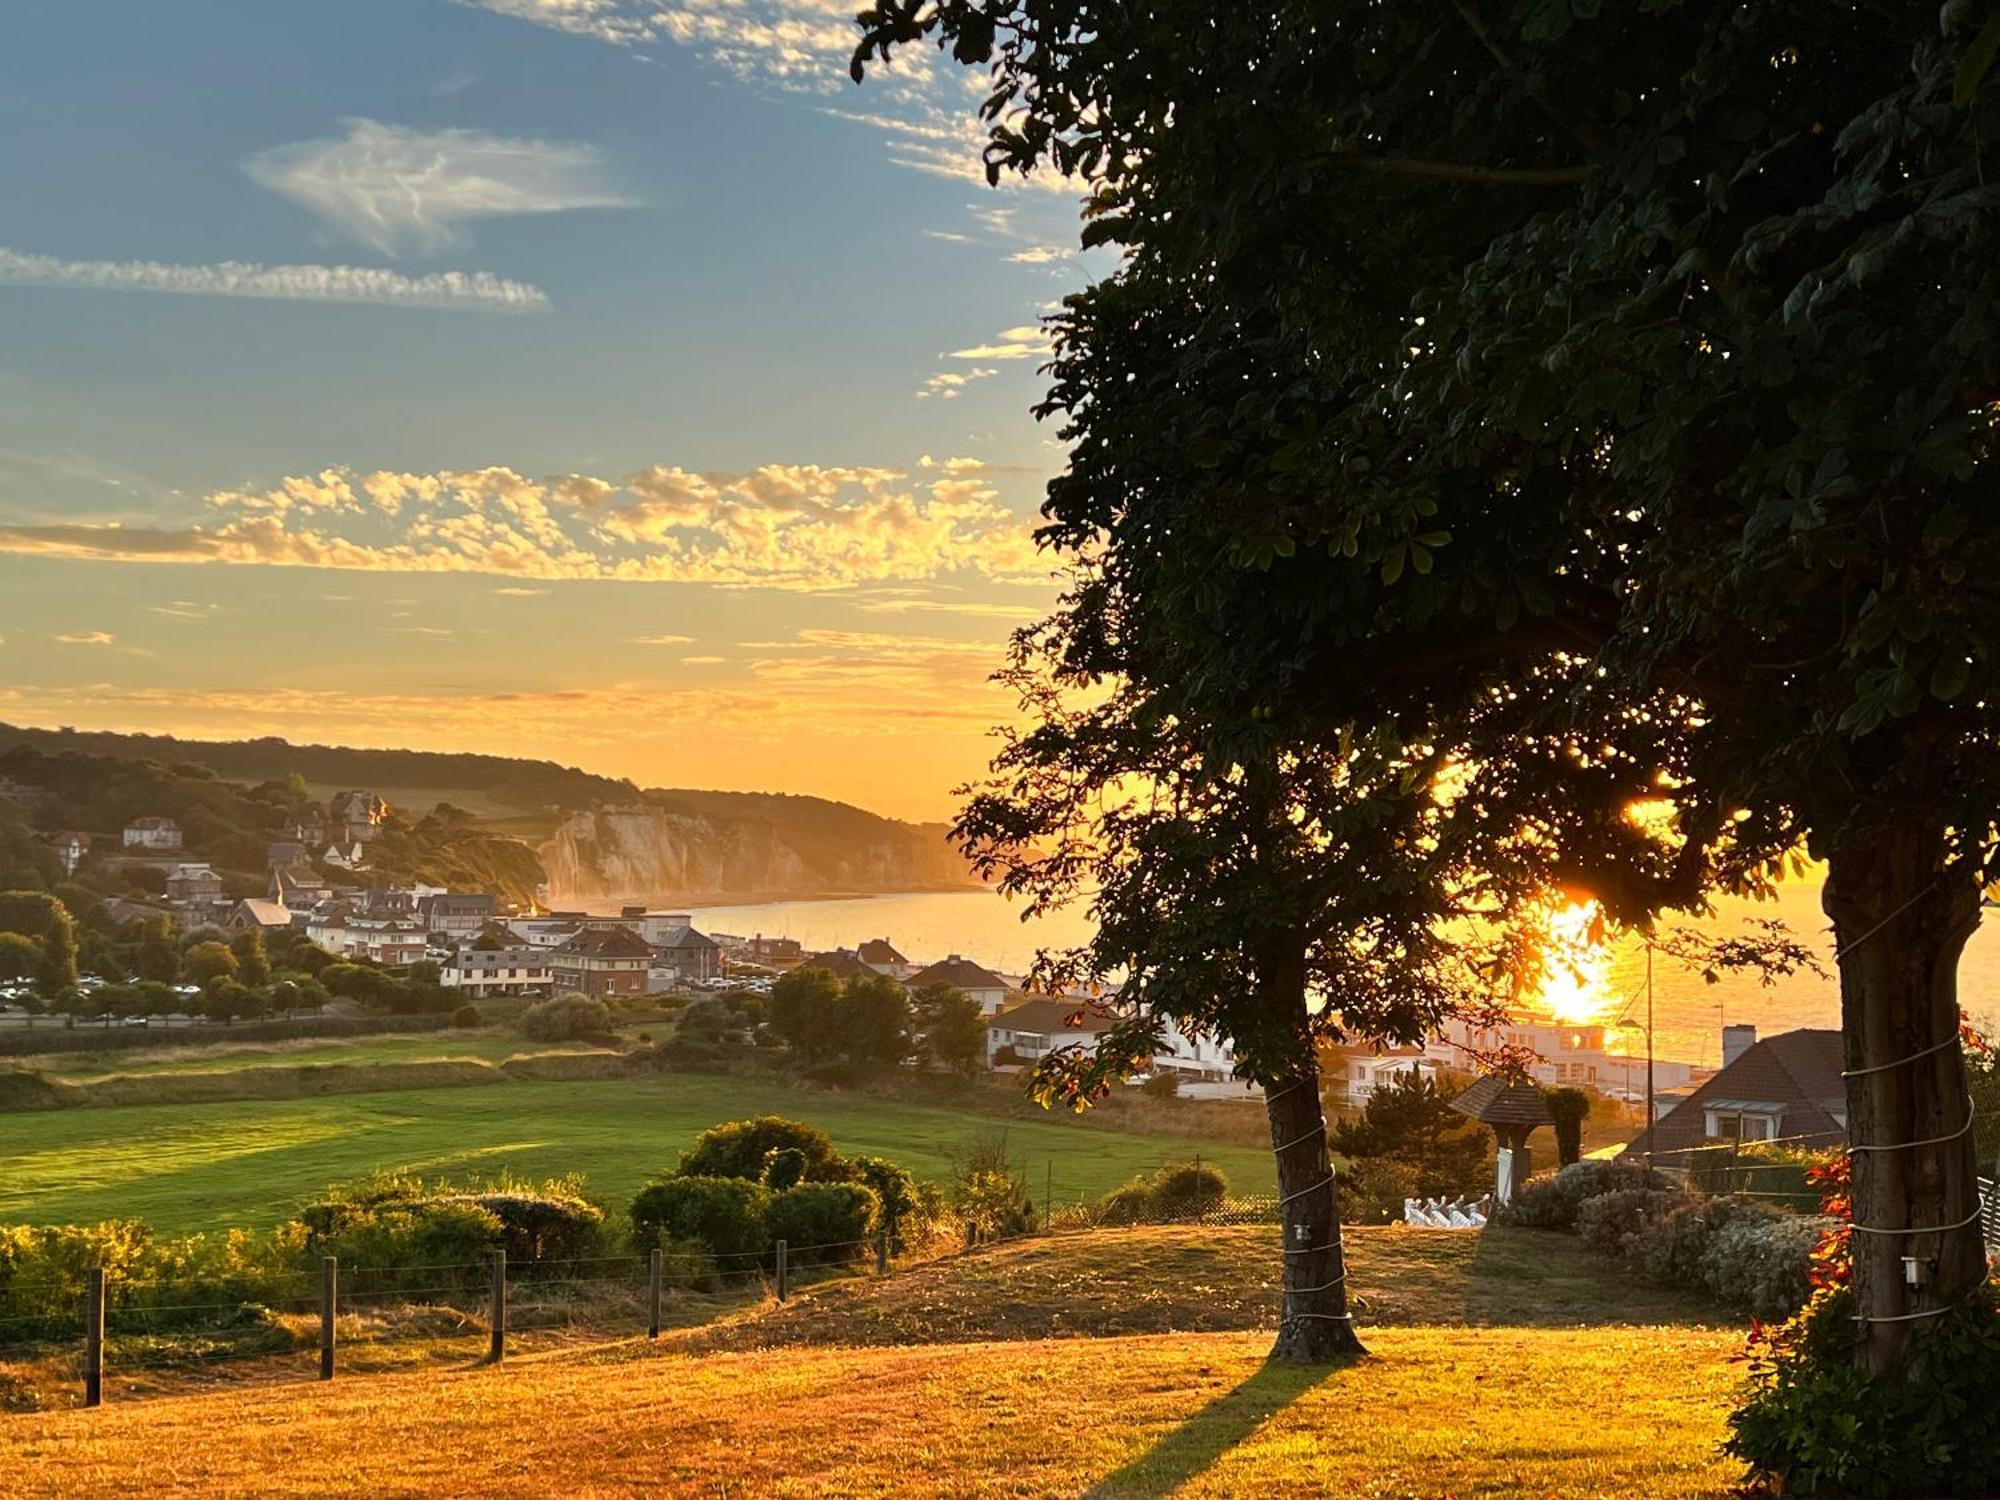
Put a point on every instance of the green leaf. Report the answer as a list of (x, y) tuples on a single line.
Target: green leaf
[(1950, 675), (1978, 60), (1392, 563)]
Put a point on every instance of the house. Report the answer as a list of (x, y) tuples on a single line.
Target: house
[(1207, 1058), (386, 941), (841, 963), (457, 913), (1352, 1072), (771, 951), (519, 970), (550, 930), (193, 883), (327, 926), (356, 817), (70, 846), (982, 984), (1565, 1055), (689, 956), (254, 911), (349, 858), (603, 962), (152, 833), (281, 852), (298, 886), (1784, 1088), (1032, 1031), (881, 956)]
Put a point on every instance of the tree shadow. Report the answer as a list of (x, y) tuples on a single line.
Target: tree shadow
[(1189, 1449)]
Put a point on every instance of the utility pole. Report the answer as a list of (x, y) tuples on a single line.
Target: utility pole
[(1650, 1115)]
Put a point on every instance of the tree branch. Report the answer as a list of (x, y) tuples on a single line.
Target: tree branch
[(1586, 134)]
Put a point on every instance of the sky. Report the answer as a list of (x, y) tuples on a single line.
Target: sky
[(611, 381)]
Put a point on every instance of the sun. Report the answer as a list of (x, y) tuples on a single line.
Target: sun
[(1575, 980)]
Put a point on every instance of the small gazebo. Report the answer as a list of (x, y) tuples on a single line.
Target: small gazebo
[(1514, 1109)]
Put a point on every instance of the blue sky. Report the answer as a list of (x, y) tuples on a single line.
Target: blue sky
[(606, 380)]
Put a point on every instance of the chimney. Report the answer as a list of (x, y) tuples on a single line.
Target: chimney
[(1737, 1040)]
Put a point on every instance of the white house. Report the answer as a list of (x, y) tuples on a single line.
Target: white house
[(152, 833), (498, 971), (1567, 1055)]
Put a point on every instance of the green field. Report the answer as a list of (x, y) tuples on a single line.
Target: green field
[(185, 1167), (224, 1057)]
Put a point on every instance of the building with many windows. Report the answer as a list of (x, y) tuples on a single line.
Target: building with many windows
[(604, 962), (498, 971)]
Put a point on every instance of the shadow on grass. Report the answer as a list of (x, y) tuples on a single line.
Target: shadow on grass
[(1188, 1450)]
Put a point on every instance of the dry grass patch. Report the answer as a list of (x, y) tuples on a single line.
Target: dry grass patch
[(1434, 1412)]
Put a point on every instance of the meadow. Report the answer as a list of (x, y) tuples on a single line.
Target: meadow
[(1507, 1363), (206, 1166)]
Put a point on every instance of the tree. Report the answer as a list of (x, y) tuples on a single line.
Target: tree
[(1410, 1120), (207, 962), (804, 1006), (253, 966), (157, 957), (1456, 348), (20, 956), (952, 1027), (1569, 1108), (873, 1020), (41, 917)]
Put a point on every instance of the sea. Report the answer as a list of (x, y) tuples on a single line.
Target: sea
[(1688, 1011)]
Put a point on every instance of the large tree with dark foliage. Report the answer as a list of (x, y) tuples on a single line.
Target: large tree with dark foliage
[(1638, 359)]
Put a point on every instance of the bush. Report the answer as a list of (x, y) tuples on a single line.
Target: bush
[(408, 1243), (989, 1193), (1130, 1204), (1162, 1085), (1614, 1223), (543, 1225), (565, 1018), (1815, 1423), (1758, 1167), (465, 1017), (1762, 1266), (1372, 1190), (902, 1204), (1552, 1202), (725, 1215), (1672, 1250), (739, 1148), (823, 1222), (784, 1167)]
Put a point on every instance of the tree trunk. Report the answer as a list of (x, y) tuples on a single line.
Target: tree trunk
[(1900, 921), (1313, 1324)]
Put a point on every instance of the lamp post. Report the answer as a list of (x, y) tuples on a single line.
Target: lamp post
[(1650, 1116)]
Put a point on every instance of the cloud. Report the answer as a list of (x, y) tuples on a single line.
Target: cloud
[(87, 638), (922, 102), (703, 661), (1028, 341), (948, 236), (946, 384), (519, 593), (802, 527), (1039, 255), (663, 640), (478, 291), (410, 190)]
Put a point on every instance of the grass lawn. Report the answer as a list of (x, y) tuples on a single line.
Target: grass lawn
[(1431, 1412), (207, 1166), (225, 1056)]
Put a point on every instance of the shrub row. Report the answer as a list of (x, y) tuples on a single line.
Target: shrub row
[(1178, 1191), (1744, 1253)]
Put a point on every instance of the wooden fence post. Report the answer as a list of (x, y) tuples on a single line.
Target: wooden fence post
[(93, 1341), (329, 1291), (782, 1269), (653, 1295), (881, 1252), (497, 1317)]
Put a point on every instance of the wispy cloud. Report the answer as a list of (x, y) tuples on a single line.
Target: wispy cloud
[(401, 190), (663, 640), (449, 290), (800, 527), (703, 661), (1028, 341), (946, 384), (520, 593), (86, 638)]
